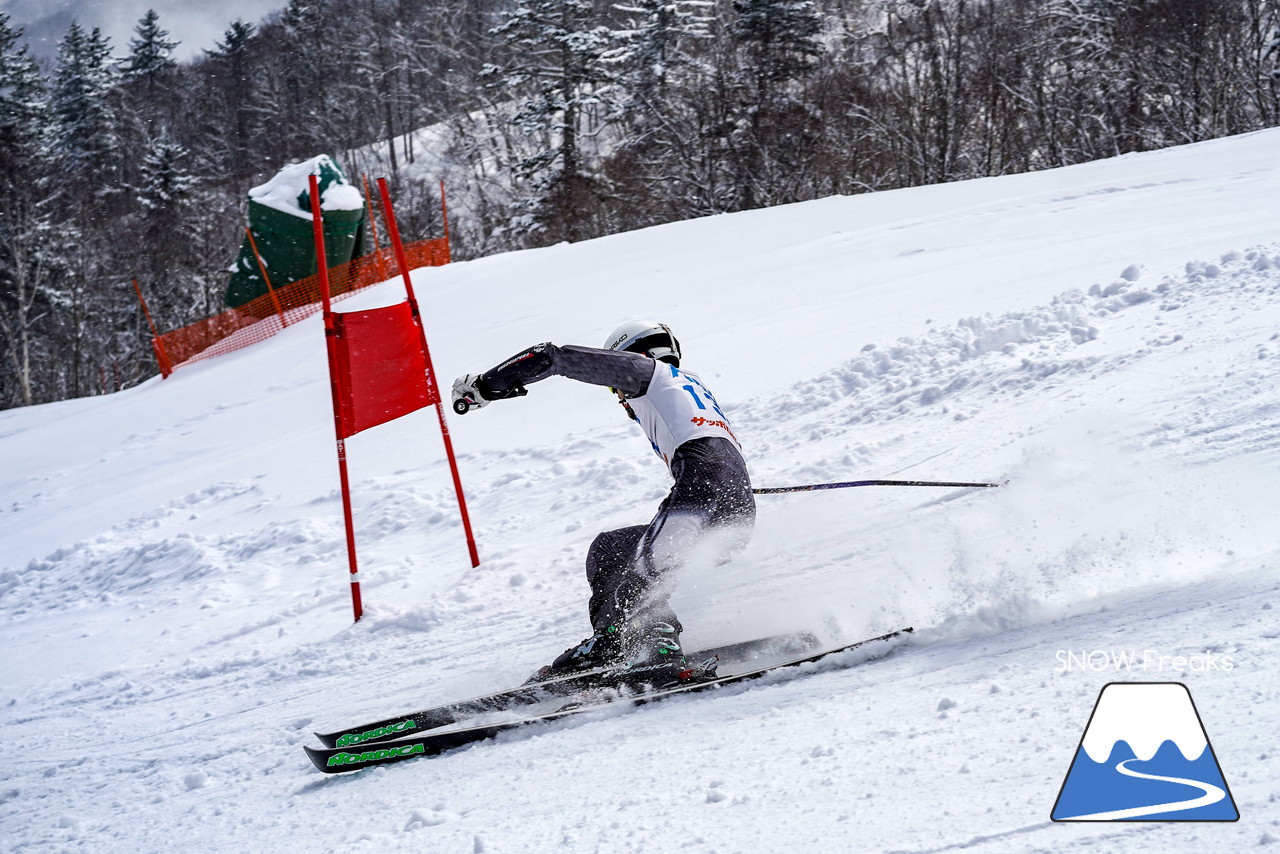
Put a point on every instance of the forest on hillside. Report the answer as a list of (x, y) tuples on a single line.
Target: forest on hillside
[(555, 120)]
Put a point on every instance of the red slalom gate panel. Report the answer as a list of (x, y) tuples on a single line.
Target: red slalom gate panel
[(382, 370)]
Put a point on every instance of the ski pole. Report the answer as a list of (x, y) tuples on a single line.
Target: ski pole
[(775, 490)]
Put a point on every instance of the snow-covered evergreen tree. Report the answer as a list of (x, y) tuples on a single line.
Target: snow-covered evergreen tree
[(654, 43), (230, 63), (84, 114), (151, 53), (557, 67), (23, 103), (309, 74), (235, 40), (149, 91), (167, 181), (776, 130), (165, 197), (780, 40), (28, 261)]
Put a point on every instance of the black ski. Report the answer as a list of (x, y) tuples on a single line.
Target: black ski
[(332, 760), (531, 694)]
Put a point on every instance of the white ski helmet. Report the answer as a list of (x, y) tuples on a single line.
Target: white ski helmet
[(646, 336)]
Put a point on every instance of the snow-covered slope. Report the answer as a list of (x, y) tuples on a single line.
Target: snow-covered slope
[(1105, 336)]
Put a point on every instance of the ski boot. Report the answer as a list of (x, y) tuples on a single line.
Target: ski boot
[(602, 652), (655, 658)]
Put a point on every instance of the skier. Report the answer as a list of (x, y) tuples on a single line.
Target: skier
[(634, 631)]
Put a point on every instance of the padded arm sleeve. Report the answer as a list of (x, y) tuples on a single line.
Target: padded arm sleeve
[(628, 372)]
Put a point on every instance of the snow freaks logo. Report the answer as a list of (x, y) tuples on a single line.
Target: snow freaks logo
[(1148, 661), (1145, 756)]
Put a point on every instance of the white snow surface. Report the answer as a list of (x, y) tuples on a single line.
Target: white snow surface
[(284, 188), (1106, 337)]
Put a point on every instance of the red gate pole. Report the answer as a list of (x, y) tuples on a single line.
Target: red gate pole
[(373, 226), (253, 244), (331, 344), (444, 215), (394, 233), (162, 358)]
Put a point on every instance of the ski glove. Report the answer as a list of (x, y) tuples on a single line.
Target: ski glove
[(471, 392), (466, 394)]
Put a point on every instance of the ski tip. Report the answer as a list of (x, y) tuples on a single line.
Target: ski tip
[(318, 758)]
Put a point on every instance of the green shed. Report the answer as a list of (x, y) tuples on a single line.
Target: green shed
[(280, 221)]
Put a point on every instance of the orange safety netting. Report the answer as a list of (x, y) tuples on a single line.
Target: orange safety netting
[(261, 318)]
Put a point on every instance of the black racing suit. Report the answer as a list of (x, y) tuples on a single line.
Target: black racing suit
[(710, 505)]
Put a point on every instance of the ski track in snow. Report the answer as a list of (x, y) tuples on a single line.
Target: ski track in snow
[(196, 636)]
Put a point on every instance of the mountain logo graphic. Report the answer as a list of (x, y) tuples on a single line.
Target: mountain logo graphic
[(1145, 756)]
